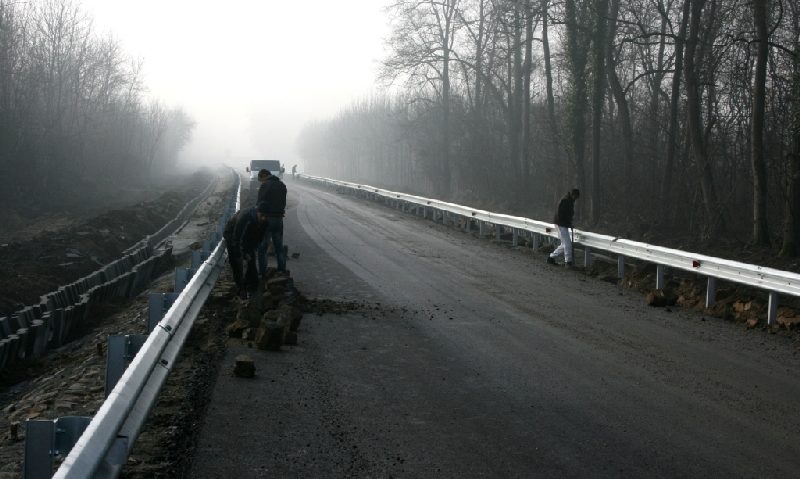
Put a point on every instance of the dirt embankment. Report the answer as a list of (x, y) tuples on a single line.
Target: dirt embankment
[(70, 249)]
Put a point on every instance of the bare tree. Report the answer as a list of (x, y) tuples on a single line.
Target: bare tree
[(760, 226)]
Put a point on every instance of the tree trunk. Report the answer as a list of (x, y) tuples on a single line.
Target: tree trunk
[(714, 222), (446, 169), (760, 226), (791, 221), (551, 107), (622, 104), (515, 106), (598, 98), (527, 68), (672, 140), (654, 127), (577, 59)]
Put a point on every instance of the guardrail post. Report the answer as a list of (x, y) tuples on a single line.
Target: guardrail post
[(660, 276), (711, 292), (197, 259), (772, 309), (514, 237), (46, 439), (620, 266), (497, 231), (39, 446), (182, 277), (587, 256), (157, 306), (121, 351), (481, 228), (535, 240), (467, 224)]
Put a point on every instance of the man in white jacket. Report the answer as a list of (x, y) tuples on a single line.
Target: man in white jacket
[(563, 221)]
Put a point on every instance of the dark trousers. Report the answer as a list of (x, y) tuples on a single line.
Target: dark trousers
[(244, 273), (274, 233)]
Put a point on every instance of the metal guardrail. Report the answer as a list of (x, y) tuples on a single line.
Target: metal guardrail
[(770, 279), (105, 444)]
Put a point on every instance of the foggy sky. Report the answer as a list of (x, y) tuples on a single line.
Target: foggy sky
[(251, 73)]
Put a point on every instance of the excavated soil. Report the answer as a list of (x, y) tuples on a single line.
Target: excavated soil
[(56, 255)]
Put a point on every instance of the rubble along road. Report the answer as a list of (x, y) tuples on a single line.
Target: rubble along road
[(460, 357)]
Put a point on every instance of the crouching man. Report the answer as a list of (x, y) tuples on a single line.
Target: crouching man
[(242, 234)]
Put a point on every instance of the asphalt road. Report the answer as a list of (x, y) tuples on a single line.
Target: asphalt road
[(469, 358)]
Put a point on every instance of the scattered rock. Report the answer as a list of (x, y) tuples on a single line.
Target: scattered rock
[(660, 298), (741, 306), (237, 328), (752, 323)]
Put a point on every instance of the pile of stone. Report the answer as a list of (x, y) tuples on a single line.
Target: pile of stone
[(271, 317)]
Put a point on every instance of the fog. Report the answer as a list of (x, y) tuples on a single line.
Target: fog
[(250, 73)]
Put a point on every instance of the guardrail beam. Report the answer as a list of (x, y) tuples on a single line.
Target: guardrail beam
[(768, 279)]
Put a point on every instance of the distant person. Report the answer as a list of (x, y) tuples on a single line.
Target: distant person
[(294, 171), (243, 233), (272, 193), (563, 221)]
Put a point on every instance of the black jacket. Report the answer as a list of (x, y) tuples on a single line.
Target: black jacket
[(273, 192), (565, 211), (243, 232)]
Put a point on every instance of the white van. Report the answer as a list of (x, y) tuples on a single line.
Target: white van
[(273, 166)]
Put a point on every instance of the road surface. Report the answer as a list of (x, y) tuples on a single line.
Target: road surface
[(468, 358)]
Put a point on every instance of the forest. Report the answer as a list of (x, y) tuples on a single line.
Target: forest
[(675, 118), (75, 116)]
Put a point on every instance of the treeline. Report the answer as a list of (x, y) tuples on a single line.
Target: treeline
[(72, 108), (672, 116)]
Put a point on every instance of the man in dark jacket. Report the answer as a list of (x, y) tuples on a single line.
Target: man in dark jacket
[(563, 221), (272, 193), (243, 233)]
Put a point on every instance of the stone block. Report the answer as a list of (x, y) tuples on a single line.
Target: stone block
[(270, 336), (245, 367)]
